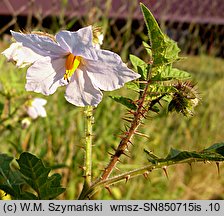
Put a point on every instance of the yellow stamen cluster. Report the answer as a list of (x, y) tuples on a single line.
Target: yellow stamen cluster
[(71, 64)]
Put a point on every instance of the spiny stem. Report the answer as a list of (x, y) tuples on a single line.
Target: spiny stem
[(88, 147), (145, 170), (138, 115)]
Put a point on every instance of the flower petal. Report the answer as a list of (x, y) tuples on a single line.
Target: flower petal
[(41, 111), (21, 55), (81, 92), (41, 45), (32, 112), (45, 75), (109, 72), (39, 102), (78, 43)]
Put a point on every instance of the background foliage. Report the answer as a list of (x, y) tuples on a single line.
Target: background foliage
[(58, 139)]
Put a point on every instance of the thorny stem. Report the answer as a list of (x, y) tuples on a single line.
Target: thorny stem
[(88, 149), (145, 170), (126, 140)]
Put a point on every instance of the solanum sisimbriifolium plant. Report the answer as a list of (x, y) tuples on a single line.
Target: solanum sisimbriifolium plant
[(76, 60)]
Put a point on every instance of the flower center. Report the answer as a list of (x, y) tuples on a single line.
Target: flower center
[(71, 64)]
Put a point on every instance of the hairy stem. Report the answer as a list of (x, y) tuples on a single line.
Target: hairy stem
[(88, 151), (88, 147)]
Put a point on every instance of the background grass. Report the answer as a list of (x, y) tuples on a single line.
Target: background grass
[(59, 138)]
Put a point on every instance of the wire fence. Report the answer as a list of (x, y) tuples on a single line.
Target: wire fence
[(197, 26)]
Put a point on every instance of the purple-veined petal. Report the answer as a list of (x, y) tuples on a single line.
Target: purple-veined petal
[(21, 55), (81, 92), (44, 75), (41, 45), (109, 72), (78, 43)]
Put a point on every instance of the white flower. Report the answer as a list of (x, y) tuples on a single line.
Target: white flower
[(72, 59), (20, 55), (35, 108)]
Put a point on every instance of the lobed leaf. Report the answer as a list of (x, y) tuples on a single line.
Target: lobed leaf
[(165, 73), (133, 86), (164, 49), (160, 89), (140, 66), (174, 73), (11, 180), (217, 148), (129, 103), (213, 153), (36, 175)]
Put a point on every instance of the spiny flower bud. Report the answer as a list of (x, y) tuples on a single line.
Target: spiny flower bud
[(184, 99)]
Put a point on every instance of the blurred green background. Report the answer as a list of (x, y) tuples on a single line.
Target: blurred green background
[(59, 138)]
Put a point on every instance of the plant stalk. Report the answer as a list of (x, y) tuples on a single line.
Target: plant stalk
[(141, 171), (88, 147), (126, 140)]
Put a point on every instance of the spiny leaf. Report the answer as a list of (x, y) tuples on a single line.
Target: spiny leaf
[(174, 73), (164, 49), (140, 66), (129, 103), (151, 157), (217, 147), (165, 73), (133, 86), (213, 153), (157, 90), (36, 175)]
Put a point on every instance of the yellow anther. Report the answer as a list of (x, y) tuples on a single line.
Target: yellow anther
[(71, 64)]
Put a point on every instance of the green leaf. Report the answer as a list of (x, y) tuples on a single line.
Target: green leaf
[(10, 179), (4, 173), (164, 49), (129, 103), (213, 153), (137, 62), (147, 48), (151, 157), (165, 73), (36, 175), (52, 185), (140, 66), (5, 161), (156, 90), (133, 86), (217, 148), (174, 73)]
